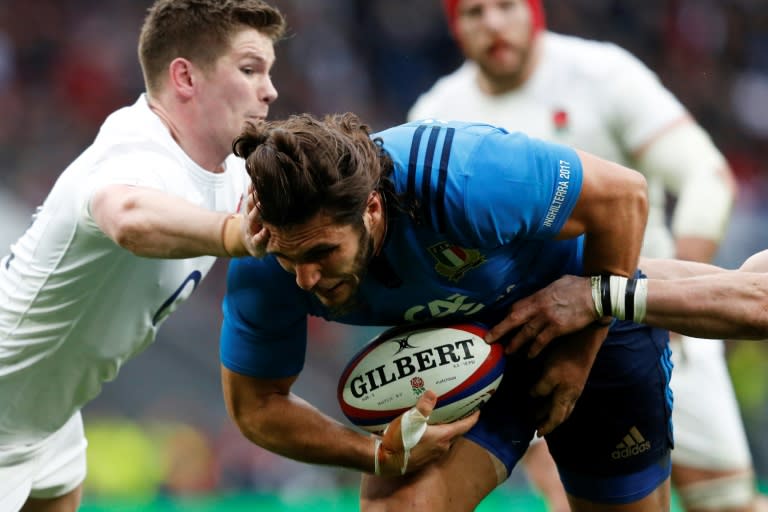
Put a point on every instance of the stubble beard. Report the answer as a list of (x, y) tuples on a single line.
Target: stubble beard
[(360, 268)]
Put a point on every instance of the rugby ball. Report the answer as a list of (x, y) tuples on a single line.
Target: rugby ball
[(389, 374)]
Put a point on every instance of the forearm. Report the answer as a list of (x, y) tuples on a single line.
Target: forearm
[(153, 224), (724, 305), (660, 268), (293, 428)]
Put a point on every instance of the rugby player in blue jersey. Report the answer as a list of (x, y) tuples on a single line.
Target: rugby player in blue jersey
[(457, 220)]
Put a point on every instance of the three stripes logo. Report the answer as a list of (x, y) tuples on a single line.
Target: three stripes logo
[(633, 444)]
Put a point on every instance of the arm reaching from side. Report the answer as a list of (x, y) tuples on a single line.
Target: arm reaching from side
[(694, 299), (269, 415), (154, 224)]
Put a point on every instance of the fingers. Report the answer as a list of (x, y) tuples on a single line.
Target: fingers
[(255, 234), (426, 403), (517, 316), (560, 410), (541, 340)]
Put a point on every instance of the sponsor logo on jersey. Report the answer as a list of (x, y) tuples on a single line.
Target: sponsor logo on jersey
[(454, 261), (455, 304), (633, 444)]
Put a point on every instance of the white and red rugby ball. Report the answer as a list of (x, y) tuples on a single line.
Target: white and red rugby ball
[(389, 374)]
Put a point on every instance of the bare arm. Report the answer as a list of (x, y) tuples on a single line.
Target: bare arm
[(272, 417), (611, 212), (154, 224), (724, 305), (717, 304), (660, 268), (691, 298)]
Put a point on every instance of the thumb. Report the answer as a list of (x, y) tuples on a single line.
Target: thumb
[(426, 403)]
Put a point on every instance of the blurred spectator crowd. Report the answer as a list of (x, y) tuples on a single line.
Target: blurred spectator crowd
[(65, 64)]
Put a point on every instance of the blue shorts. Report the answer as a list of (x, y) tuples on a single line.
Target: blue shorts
[(615, 446)]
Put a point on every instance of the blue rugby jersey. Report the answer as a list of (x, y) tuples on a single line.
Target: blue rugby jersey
[(491, 203)]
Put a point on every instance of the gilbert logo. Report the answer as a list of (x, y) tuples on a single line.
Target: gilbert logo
[(411, 364), (633, 444), (454, 261)]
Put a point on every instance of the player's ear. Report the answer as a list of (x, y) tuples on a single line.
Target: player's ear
[(374, 209), (181, 76)]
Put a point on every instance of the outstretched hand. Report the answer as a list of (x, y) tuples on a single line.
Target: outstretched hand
[(563, 307), (394, 457)]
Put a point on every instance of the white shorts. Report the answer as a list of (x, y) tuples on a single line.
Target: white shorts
[(46, 469), (709, 432)]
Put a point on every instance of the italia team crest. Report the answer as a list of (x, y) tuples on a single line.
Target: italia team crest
[(454, 261)]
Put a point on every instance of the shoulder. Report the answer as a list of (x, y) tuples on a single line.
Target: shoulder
[(443, 92), (428, 142), (588, 56)]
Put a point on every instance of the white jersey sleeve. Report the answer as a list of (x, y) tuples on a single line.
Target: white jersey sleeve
[(639, 105)]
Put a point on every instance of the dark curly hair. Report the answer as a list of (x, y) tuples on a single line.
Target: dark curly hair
[(302, 166)]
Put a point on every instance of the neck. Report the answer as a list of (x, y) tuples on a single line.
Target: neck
[(197, 152)]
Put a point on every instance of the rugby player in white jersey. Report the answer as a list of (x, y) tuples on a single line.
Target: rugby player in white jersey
[(126, 234), (598, 97)]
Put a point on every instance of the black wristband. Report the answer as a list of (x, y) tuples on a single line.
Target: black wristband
[(605, 295), (629, 299)]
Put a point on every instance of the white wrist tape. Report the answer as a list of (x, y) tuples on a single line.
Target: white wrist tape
[(620, 297), (595, 282), (618, 288), (376, 447), (412, 428), (641, 300)]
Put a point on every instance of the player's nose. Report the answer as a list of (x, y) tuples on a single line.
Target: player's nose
[(268, 92), (307, 275)]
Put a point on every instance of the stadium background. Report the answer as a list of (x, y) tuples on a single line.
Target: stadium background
[(160, 438)]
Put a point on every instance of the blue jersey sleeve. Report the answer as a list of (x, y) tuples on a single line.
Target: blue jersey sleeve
[(518, 187), (264, 330), (481, 185)]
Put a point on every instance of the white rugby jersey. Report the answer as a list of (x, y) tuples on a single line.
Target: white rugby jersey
[(590, 95), (73, 304)]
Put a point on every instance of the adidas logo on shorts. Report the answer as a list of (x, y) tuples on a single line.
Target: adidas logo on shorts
[(633, 444)]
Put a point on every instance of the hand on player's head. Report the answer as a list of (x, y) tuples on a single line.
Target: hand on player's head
[(434, 442), (255, 235)]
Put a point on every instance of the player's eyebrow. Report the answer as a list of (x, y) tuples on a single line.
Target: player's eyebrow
[(309, 254)]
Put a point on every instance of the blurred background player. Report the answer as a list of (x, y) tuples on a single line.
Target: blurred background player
[(126, 234), (598, 97)]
